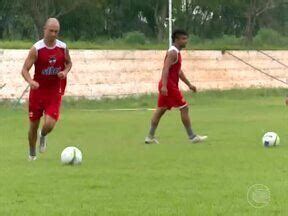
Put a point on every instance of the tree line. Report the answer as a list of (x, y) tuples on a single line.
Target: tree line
[(90, 19)]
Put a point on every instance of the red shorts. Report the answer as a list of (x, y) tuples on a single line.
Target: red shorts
[(173, 99), (48, 103)]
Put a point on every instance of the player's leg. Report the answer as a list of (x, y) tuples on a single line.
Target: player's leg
[(52, 113), (32, 137), (187, 124), (48, 126), (35, 114), (184, 111), (154, 124), (155, 120)]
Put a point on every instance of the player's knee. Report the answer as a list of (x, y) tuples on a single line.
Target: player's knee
[(185, 109), (49, 126), (162, 112)]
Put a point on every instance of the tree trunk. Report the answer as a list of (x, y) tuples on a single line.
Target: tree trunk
[(255, 9), (160, 19), (249, 29), (39, 12), (39, 23)]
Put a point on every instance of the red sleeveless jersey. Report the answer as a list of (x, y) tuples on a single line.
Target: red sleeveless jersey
[(50, 61), (174, 70)]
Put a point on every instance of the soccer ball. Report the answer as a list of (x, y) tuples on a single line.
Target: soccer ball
[(270, 139), (71, 156)]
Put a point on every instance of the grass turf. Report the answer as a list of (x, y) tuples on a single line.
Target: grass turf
[(122, 176)]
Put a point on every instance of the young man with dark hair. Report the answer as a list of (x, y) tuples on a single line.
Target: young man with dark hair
[(169, 92)]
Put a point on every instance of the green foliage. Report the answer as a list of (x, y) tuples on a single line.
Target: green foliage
[(137, 40), (195, 39), (86, 20), (270, 36), (135, 37)]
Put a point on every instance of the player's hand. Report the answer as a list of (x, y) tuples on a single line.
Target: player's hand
[(34, 85), (193, 88), (62, 74), (164, 91)]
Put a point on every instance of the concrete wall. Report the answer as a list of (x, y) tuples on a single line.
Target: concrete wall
[(110, 73)]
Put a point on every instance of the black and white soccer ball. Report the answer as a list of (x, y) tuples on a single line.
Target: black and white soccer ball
[(71, 156), (270, 139)]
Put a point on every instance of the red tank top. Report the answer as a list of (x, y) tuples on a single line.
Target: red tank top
[(174, 70), (50, 61)]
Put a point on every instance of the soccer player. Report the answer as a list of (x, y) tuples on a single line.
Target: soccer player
[(52, 63), (169, 93)]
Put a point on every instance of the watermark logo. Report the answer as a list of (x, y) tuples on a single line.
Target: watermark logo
[(258, 195)]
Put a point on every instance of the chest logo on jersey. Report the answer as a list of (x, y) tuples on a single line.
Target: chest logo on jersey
[(51, 70), (52, 60)]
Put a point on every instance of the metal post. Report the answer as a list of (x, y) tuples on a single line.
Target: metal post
[(170, 23)]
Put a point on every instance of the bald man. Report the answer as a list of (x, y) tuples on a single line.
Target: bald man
[(52, 63)]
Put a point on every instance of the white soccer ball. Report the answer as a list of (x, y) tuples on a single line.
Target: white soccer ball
[(71, 156), (270, 139)]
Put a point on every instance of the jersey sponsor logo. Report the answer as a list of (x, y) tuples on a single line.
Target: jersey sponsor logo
[(51, 71)]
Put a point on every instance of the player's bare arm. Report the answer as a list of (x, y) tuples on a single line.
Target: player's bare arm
[(31, 58), (169, 61), (186, 81), (68, 66)]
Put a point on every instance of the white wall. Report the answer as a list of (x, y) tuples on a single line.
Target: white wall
[(101, 73)]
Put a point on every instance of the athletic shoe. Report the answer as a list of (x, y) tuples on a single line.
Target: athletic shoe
[(149, 140), (198, 139), (32, 158)]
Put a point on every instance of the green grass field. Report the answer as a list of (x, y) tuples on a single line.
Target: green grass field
[(122, 176)]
